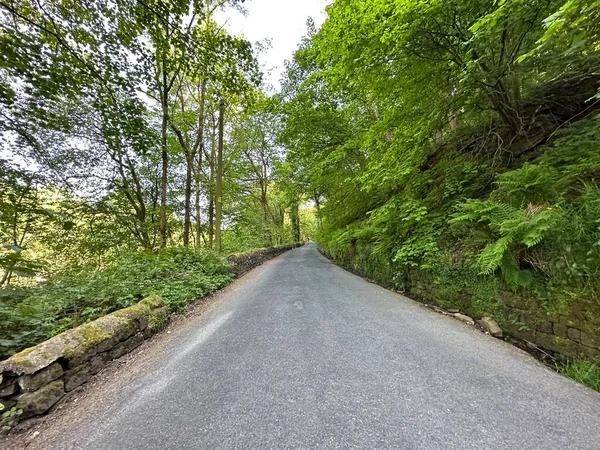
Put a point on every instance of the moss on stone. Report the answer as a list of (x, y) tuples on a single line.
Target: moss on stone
[(81, 343), (40, 401), (92, 335), (21, 357), (134, 312), (153, 301), (86, 337), (138, 314), (31, 383), (158, 319)]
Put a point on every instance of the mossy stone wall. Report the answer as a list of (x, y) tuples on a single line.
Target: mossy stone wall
[(35, 379)]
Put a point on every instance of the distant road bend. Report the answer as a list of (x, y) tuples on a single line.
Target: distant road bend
[(301, 354)]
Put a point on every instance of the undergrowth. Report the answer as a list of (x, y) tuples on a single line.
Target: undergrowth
[(463, 234), (31, 315), (470, 229)]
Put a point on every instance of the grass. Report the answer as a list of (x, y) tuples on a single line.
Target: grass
[(583, 371)]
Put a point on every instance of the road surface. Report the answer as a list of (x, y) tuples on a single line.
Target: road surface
[(304, 355)]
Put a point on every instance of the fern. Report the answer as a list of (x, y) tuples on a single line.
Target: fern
[(492, 256), (511, 229)]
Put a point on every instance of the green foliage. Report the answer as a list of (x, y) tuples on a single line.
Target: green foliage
[(574, 25), (107, 104), (542, 215), (583, 371), (83, 89), (30, 315), (444, 143), (510, 229), (453, 283), (9, 418)]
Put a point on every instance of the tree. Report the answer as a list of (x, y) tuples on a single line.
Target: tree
[(219, 182), (80, 108), (254, 139)]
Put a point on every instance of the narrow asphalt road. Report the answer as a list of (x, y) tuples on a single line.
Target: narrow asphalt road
[(304, 355)]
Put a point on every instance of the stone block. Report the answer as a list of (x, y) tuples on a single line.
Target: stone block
[(577, 312), (544, 326), (590, 340), (589, 352), (36, 358), (30, 383), (40, 401), (529, 320), (137, 313), (559, 329), (125, 347), (574, 334), (153, 301), (565, 320), (550, 342), (491, 326), (8, 389), (98, 337), (463, 318), (158, 320), (510, 328), (76, 377), (97, 362), (516, 331)]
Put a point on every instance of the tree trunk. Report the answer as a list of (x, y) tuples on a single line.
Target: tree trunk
[(211, 195), (187, 222), (295, 219), (199, 167), (164, 158), (144, 235), (219, 196), (211, 222), (318, 205), (6, 277), (198, 227), (265, 212)]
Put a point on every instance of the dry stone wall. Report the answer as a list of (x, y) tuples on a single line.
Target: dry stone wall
[(35, 379), (245, 261), (572, 334)]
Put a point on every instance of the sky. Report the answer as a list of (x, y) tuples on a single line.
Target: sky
[(282, 21)]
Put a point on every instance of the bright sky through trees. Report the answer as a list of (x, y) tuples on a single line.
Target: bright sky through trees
[(282, 21)]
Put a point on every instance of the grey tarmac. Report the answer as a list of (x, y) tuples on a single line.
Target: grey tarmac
[(304, 355)]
